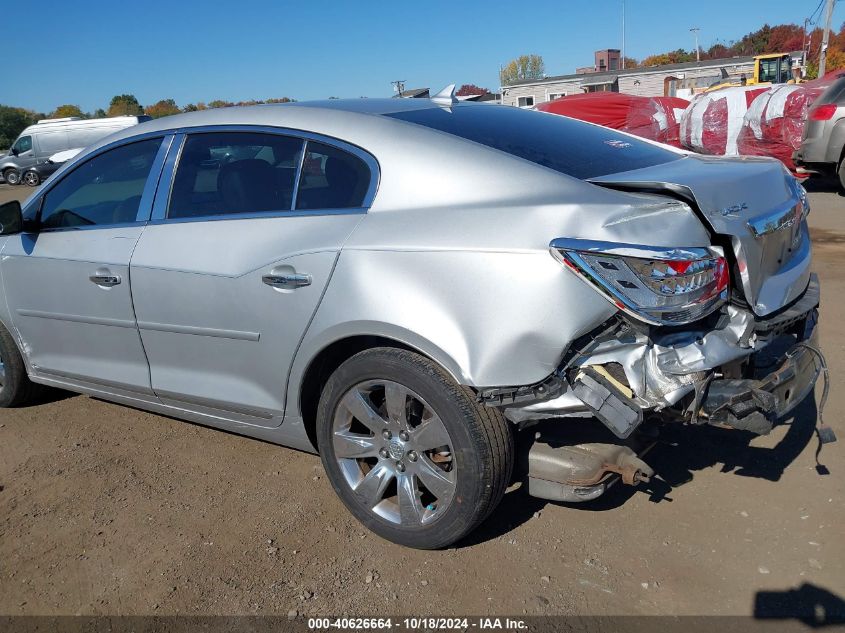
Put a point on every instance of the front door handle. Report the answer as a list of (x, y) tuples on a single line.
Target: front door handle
[(103, 279), (287, 280)]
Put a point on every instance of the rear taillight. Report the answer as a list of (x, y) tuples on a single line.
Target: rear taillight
[(822, 112), (657, 285)]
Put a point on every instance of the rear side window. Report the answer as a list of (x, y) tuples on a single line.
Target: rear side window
[(223, 173), (331, 179), (104, 190), (571, 147)]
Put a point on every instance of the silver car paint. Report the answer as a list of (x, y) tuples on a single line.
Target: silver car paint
[(775, 267), (824, 141), (452, 259)]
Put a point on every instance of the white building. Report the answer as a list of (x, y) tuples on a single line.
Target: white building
[(670, 80)]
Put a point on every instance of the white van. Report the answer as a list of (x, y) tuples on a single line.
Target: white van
[(40, 141)]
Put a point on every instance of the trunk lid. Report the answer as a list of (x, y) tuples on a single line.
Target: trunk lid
[(755, 204)]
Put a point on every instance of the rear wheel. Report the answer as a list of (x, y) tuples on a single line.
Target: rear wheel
[(410, 452), (12, 176), (15, 387), (31, 178)]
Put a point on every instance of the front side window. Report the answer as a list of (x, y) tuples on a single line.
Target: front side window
[(23, 144), (103, 190), (331, 179), (222, 173)]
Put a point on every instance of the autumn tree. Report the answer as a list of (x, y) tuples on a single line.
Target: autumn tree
[(219, 103), (125, 105), (12, 122), (470, 89), (164, 107), (66, 111), (523, 67), (630, 62)]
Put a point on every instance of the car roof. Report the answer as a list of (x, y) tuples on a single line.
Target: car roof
[(333, 117)]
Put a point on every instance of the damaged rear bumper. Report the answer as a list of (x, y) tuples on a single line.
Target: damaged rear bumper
[(622, 374), (754, 405)]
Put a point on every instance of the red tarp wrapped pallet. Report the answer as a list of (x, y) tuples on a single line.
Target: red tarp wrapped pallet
[(713, 120), (774, 123), (654, 118)]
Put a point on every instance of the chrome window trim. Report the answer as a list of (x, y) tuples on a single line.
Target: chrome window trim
[(145, 208), (165, 188), (148, 193), (160, 208), (259, 215), (298, 175)]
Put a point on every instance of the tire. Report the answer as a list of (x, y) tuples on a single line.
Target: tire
[(442, 469), (15, 387), (31, 178), (841, 174), (12, 177)]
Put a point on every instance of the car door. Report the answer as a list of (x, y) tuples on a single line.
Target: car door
[(24, 151), (67, 285), (227, 276)]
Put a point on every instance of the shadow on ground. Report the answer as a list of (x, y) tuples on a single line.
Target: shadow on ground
[(812, 605), (678, 454)]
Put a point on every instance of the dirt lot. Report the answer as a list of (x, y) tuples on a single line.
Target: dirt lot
[(107, 510)]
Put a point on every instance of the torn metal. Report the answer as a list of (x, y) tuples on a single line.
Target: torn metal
[(699, 373)]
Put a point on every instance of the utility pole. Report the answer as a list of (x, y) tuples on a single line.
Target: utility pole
[(398, 86), (825, 38), (623, 35), (694, 30)]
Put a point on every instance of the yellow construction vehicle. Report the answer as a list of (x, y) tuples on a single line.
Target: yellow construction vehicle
[(772, 68)]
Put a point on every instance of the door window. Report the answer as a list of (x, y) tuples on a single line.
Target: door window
[(23, 144), (223, 173), (331, 179), (104, 190)]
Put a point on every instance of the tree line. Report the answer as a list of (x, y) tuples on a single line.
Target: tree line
[(13, 119), (781, 38)]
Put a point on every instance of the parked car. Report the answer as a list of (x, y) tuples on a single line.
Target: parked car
[(823, 142), (37, 174), (442, 276), (40, 141)]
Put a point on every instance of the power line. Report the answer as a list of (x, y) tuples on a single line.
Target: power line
[(811, 19)]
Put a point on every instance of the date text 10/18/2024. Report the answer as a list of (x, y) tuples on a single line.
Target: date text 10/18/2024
[(416, 623)]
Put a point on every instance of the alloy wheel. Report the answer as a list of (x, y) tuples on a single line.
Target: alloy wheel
[(394, 452), (31, 178)]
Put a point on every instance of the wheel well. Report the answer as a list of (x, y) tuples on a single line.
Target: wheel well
[(324, 365)]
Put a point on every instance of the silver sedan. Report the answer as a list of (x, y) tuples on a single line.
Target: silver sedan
[(405, 286)]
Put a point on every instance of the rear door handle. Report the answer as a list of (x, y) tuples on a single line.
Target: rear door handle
[(287, 280), (106, 280)]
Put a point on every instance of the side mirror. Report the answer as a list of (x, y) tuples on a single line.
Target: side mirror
[(11, 218), (14, 151)]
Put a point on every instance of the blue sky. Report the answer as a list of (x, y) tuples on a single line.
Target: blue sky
[(312, 49)]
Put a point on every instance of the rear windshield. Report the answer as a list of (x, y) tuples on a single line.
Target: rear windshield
[(571, 147)]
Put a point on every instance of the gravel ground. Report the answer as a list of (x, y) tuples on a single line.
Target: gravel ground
[(109, 510)]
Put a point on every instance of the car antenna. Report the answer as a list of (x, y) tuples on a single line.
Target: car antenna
[(446, 97)]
